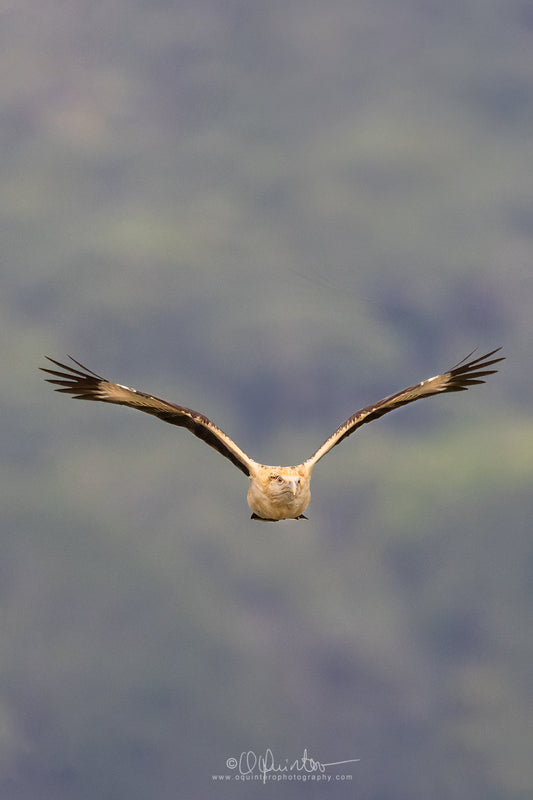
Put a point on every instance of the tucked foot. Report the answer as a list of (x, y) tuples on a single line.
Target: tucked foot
[(265, 519)]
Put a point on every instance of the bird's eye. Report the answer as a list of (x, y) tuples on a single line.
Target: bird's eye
[(277, 478)]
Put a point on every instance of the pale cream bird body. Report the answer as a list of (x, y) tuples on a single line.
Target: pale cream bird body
[(275, 493)]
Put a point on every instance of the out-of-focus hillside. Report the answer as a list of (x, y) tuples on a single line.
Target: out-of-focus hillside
[(275, 213)]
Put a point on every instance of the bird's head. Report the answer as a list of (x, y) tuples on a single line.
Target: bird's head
[(283, 482), (279, 492)]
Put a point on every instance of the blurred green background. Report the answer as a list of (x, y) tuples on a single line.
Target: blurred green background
[(276, 213)]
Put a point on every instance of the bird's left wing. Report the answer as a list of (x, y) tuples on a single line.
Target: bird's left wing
[(457, 379), (87, 385)]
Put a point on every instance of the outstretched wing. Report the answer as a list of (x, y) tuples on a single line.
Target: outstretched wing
[(87, 385), (457, 379)]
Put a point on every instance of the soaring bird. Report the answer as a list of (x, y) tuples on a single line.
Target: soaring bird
[(275, 493)]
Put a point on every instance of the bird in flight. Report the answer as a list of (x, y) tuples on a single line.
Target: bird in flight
[(275, 493)]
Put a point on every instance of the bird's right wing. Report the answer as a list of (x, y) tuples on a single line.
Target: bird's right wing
[(87, 385)]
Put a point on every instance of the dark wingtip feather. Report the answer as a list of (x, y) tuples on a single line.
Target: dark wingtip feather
[(471, 372), (475, 363), (70, 370), (80, 385)]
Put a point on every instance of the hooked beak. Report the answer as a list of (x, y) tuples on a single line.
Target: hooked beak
[(293, 486)]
